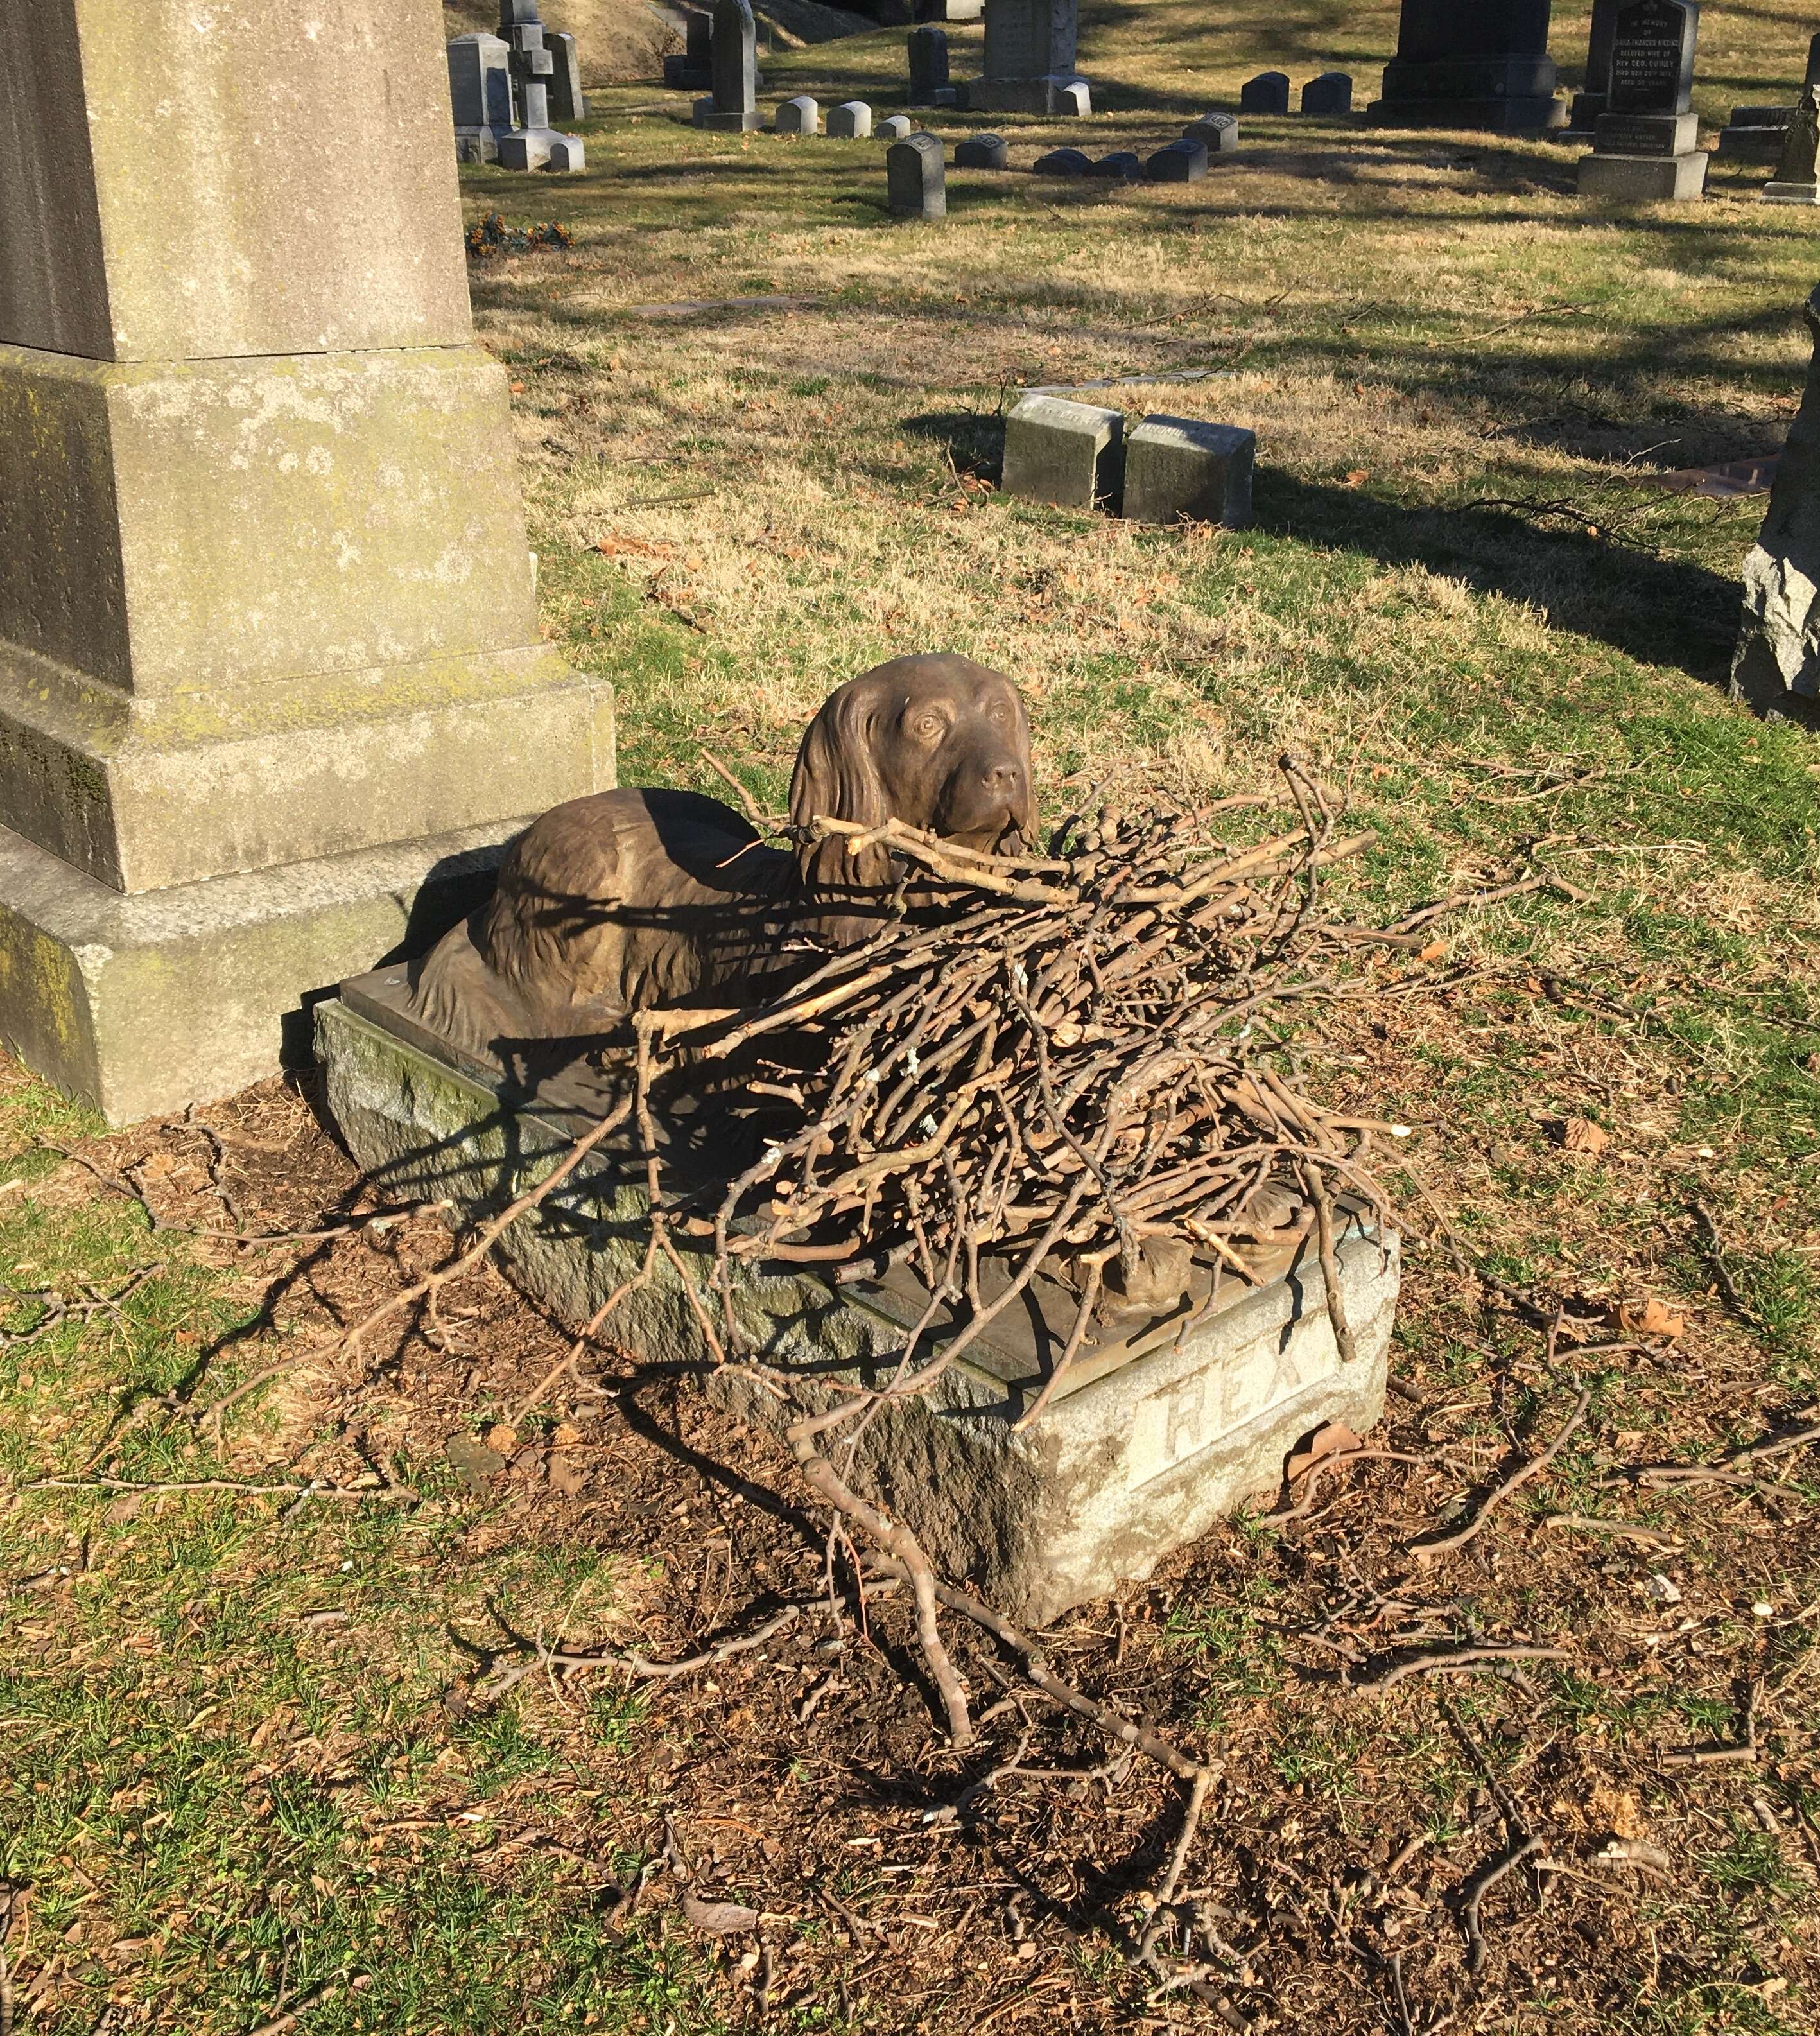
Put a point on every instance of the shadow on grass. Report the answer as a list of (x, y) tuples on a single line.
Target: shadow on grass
[(1659, 611)]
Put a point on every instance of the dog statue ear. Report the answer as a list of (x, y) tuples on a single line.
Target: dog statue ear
[(1024, 813), (837, 777)]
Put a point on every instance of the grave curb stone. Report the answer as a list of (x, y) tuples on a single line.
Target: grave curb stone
[(1183, 162), (1131, 1464), (1122, 165), (894, 127)]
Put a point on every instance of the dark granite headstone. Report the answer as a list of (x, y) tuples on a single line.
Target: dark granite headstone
[(1652, 56), (1183, 162), (1267, 92), (735, 68), (980, 152), (928, 65), (1217, 132), (1328, 96), (692, 71), (1122, 166), (1062, 162), (1471, 63), (916, 185), (1590, 101), (1645, 145)]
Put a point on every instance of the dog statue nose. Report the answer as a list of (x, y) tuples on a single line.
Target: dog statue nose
[(1003, 778)]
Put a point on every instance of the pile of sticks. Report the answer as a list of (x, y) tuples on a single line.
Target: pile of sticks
[(1067, 1064)]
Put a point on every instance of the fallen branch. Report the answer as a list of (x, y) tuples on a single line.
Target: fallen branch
[(631, 1663), (1481, 1885), (1428, 1551), (1460, 1657)]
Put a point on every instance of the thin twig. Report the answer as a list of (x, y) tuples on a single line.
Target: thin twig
[(1428, 1551)]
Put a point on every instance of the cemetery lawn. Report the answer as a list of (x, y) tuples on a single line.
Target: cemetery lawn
[(243, 1774)]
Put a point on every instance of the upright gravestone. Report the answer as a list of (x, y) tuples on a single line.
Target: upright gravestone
[(734, 61), (567, 100), (1797, 177), (1592, 100), (1645, 143), (1217, 132), (980, 151), (692, 70), (271, 675), (1776, 669), (533, 144), (915, 184), (1029, 63), (928, 79), (481, 95), (800, 116), (850, 121), (1484, 63), (1267, 92), (1328, 96)]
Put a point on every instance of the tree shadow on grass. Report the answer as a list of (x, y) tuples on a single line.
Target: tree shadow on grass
[(1660, 611)]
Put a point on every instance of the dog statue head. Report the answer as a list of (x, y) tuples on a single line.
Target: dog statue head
[(938, 742)]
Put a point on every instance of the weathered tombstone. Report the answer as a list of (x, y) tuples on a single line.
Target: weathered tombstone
[(1758, 134), (1776, 668), (1217, 132), (928, 66), (851, 121), (1485, 65), (1644, 145), (1062, 162), (1329, 95), (915, 185), (1029, 62), (1183, 162), (1267, 92), (1592, 100), (567, 101), (1177, 468), (693, 70), (1797, 177), (980, 151), (894, 127), (732, 106), (479, 95), (533, 143), (1122, 166), (1071, 454), (800, 116), (271, 675)]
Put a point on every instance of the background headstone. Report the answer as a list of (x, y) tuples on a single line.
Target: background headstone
[(1328, 96), (1183, 162), (1029, 65), (1757, 133), (915, 183), (800, 116), (479, 94), (1062, 162), (1122, 166), (1177, 468), (1590, 100), (1484, 63), (1267, 92), (1217, 132), (567, 101), (1065, 453), (851, 121), (692, 70), (894, 127), (271, 675), (1797, 177), (1645, 144), (533, 143), (980, 151), (734, 63), (928, 65), (1776, 668)]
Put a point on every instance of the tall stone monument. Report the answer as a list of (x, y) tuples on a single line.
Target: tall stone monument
[(733, 63), (272, 684), (546, 86), (1029, 60), (1776, 669), (1484, 65), (481, 92)]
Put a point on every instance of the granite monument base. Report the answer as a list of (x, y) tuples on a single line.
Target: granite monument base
[(1057, 97), (1166, 1422), (1644, 179)]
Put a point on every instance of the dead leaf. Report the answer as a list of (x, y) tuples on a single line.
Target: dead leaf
[(1647, 1319), (719, 1919), (565, 1477), (1327, 1440), (1358, 477), (502, 1438), (517, 388), (1581, 1134), (1434, 952)]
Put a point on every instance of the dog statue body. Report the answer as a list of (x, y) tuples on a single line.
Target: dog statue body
[(610, 904)]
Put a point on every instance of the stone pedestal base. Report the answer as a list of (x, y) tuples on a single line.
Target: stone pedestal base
[(1056, 97), (1164, 1425), (1795, 194), (1752, 145), (1504, 95), (1644, 179), (724, 124), (142, 1005)]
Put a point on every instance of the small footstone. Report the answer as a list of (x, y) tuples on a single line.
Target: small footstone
[(851, 121), (1178, 470), (980, 151), (1267, 92), (1327, 95), (1121, 165), (894, 127), (1183, 162), (802, 115), (1217, 132), (916, 187), (1066, 453), (1074, 100), (1062, 162), (567, 151)]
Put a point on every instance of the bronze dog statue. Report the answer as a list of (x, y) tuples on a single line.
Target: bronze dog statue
[(609, 904)]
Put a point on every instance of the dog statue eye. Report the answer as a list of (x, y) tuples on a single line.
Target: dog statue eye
[(930, 725)]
